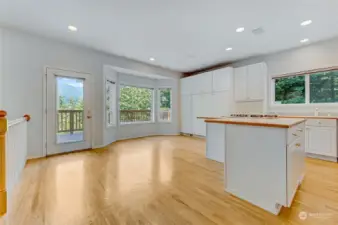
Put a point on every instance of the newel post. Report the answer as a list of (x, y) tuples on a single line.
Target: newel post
[(3, 191)]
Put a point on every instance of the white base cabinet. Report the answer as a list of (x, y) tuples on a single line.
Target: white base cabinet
[(263, 165), (321, 139)]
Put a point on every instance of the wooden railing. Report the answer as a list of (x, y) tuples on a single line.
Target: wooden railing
[(13, 151), (164, 115), (70, 120), (128, 116)]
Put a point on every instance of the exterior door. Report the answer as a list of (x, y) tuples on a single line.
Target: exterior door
[(68, 114)]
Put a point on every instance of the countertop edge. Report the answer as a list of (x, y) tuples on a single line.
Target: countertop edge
[(257, 124), (311, 117)]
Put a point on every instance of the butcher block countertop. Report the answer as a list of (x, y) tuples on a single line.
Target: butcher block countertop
[(278, 122), (312, 117)]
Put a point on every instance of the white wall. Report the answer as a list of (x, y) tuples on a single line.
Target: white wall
[(318, 55), (24, 58), (126, 131)]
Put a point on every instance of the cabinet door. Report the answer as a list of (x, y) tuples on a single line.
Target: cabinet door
[(240, 86), (221, 79), (200, 108), (256, 81), (186, 114), (202, 83), (321, 141)]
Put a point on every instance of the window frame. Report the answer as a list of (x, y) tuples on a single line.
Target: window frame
[(113, 110), (307, 103), (159, 104), (152, 105)]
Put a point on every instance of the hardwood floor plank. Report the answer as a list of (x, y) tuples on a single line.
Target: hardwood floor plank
[(156, 181)]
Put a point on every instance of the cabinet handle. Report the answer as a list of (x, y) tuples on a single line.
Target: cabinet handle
[(298, 145), (300, 130), (294, 134)]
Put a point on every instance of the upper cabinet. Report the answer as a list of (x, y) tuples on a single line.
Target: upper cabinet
[(202, 83), (197, 84), (214, 81), (250, 82), (221, 79)]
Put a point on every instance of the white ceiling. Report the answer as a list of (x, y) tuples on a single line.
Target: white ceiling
[(182, 35)]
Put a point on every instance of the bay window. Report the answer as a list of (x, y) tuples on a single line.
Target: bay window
[(164, 97), (136, 104)]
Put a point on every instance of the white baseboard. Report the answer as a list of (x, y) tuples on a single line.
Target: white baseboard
[(322, 157)]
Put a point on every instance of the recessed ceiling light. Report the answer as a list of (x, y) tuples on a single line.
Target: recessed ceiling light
[(72, 28), (304, 40), (152, 59), (306, 22), (240, 29), (228, 49)]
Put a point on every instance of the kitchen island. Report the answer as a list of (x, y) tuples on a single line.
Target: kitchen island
[(263, 158)]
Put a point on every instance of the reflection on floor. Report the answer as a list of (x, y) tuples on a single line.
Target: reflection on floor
[(156, 180), (68, 137)]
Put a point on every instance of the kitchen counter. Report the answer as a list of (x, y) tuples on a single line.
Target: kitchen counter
[(278, 122), (263, 158)]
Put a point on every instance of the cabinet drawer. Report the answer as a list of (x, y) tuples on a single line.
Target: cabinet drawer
[(295, 132), (321, 122)]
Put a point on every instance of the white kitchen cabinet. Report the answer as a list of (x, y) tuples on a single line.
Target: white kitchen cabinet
[(186, 86), (186, 114), (240, 84), (200, 107), (321, 141), (250, 82), (207, 94), (221, 79), (201, 83)]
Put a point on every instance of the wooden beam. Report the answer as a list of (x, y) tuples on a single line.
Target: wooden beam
[(206, 69)]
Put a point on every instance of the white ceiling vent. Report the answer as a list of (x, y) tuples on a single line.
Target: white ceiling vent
[(258, 31)]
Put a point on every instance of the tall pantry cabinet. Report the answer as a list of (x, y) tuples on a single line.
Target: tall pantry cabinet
[(206, 94)]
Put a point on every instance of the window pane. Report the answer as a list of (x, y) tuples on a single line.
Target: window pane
[(290, 90), (324, 87), (110, 102), (135, 104), (165, 104), (70, 110)]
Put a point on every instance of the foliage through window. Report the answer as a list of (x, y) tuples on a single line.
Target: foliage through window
[(110, 102), (324, 87), (136, 104), (320, 87), (165, 104), (290, 90)]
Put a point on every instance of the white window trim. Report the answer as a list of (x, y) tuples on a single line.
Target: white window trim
[(307, 103), (114, 124), (152, 108), (159, 105)]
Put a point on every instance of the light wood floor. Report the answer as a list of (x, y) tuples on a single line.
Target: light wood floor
[(158, 181)]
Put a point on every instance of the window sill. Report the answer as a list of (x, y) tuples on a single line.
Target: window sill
[(137, 123), (164, 122), (305, 105)]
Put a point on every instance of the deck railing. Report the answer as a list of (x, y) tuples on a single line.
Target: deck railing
[(69, 120), (128, 116)]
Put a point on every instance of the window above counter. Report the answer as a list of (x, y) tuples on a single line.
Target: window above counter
[(308, 88)]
